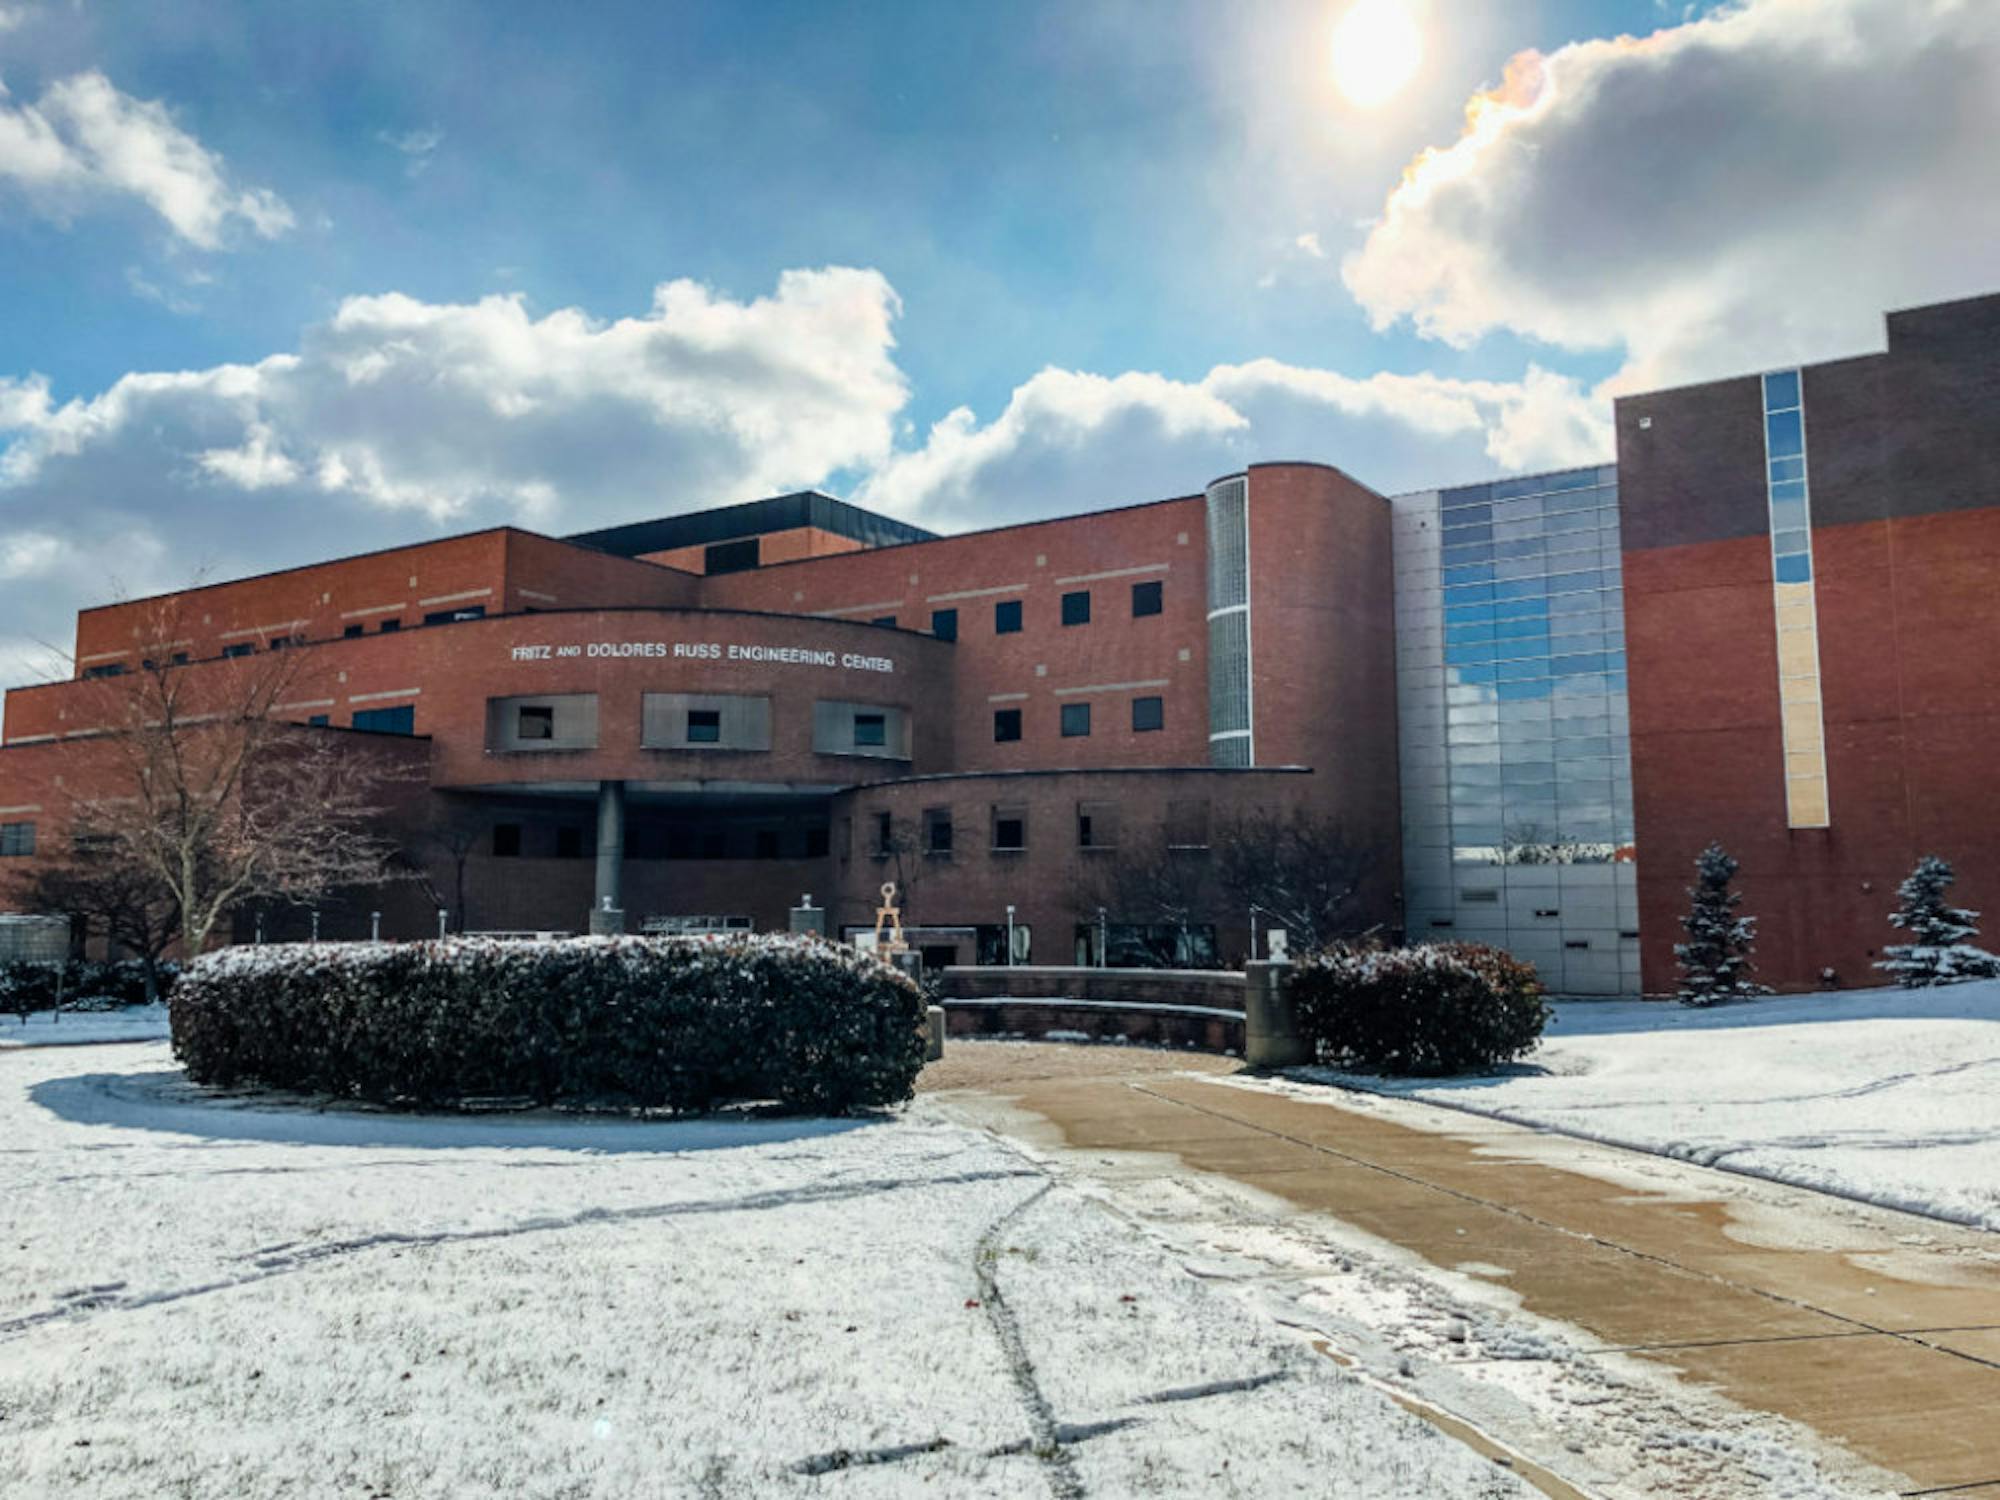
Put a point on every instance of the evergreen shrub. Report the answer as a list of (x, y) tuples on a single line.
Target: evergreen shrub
[(1431, 1010), (82, 984), (679, 1024)]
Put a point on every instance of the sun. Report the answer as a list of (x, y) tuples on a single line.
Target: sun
[(1377, 47)]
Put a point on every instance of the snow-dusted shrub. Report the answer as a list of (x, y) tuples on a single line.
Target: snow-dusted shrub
[(1430, 1010), (659, 1023), (1940, 950), (1715, 960), (78, 984)]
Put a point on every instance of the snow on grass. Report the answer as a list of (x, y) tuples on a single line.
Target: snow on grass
[(51, 1028), (1891, 1096), (203, 1297)]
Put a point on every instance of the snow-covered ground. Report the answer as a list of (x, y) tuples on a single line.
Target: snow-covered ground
[(48, 1028), (203, 1298), (1891, 1096)]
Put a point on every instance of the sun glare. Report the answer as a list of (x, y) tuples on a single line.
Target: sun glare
[(1377, 47)]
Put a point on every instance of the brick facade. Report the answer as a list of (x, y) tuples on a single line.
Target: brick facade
[(1904, 459)]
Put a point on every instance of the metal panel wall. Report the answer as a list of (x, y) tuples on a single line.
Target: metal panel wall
[(574, 726), (744, 721)]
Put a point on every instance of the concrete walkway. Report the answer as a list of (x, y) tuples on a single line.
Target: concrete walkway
[(1886, 1343)]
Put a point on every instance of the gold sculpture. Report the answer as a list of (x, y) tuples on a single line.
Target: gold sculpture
[(889, 915)]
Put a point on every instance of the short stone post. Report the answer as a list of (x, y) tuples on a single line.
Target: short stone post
[(912, 964), (1270, 1026), (807, 918)]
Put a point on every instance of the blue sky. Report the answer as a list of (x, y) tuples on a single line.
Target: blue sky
[(1042, 183), (964, 262)]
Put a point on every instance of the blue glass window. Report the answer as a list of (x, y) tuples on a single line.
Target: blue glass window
[(1784, 470), (1786, 433), (1781, 390), (1795, 569), (1788, 515), (1472, 573)]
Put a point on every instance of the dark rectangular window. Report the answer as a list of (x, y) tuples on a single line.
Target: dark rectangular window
[(1148, 713), (569, 843), (506, 840), (1075, 720), (1006, 725), (401, 720), (320, 721), (1076, 608), (766, 846), (241, 648), (944, 624), (17, 840), (389, 627), (731, 557), (106, 669), (350, 632), (885, 833), (937, 830), (1097, 825), (870, 729), (1010, 828), (889, 620), (283, 642), (447, 616), (538, 722), (816, 841), (1146, 598), (704, 726), (1007, 617), (180, 658)]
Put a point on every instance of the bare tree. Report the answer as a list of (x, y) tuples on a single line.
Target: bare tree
[(127, 903), (1150, 882), (1300, 868), (213, 791), (449, 836)]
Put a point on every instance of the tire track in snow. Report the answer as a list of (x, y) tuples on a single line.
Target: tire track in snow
[(268, 1265), (1046, 1435)]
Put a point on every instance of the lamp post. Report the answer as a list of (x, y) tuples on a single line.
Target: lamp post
[(1254, 909), (374, 927), (1010, 935), (1103, 940)]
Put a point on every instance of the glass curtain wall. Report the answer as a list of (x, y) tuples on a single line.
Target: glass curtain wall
[(1517, 744)]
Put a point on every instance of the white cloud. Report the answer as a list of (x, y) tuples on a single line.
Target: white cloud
[(1752, 187), (1309, 243), (416, 145), (399, 419), (83, 139), (1067, 441)]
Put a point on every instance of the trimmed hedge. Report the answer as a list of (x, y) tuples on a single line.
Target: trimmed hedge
[(679, 1024), (84, 984), (1426, 1011)]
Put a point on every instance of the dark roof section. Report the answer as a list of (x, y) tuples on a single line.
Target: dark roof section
[(753, 518)]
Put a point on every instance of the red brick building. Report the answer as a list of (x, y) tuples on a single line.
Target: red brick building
[(1812, 599), (712, 716)]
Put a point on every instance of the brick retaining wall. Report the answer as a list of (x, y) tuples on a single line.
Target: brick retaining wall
[(1164, 1007)]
